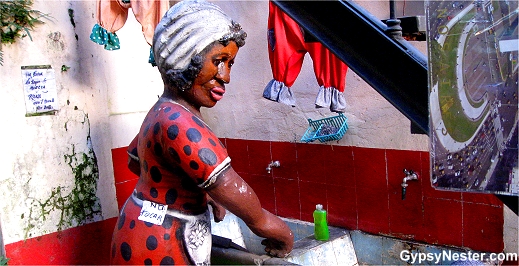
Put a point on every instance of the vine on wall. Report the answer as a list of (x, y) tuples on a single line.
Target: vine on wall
[(80, 205), (17, 19)]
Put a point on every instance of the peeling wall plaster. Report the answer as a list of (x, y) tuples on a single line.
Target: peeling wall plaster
[(56, 170), (54, 177)]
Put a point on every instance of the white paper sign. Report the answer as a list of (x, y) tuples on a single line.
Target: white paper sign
[(152, 212), (39, 85)]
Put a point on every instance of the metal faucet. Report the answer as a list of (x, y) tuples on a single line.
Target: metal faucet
[(409, 175), (271, 165)]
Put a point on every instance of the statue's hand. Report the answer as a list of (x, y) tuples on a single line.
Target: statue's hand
[(277, 248)]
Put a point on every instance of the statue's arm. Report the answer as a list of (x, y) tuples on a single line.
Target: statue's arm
[(231, 191)]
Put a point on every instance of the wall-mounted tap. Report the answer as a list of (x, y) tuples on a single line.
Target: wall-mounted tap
[(272, 165), (409, 175)]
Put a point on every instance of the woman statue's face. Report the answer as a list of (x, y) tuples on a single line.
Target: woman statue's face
[(209, 86)]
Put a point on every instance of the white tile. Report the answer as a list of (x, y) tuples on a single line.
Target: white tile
[(344, 251), (324, 254), (307, 258)]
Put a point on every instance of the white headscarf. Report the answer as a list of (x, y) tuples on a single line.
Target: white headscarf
[(185, 30)]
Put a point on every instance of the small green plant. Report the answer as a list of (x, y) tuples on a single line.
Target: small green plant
[(3, 260), (17, 19)]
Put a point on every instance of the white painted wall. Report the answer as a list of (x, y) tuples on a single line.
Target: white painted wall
[(373, 122), (116, 88)]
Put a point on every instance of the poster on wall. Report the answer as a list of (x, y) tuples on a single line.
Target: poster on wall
[(39, 86), (473, 89)]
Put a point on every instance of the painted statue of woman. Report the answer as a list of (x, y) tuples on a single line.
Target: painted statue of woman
[(181, 163)]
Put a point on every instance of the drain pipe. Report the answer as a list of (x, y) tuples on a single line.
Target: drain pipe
[(230, 256), (225, 252)]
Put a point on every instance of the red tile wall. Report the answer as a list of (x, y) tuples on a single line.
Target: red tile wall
[(360, 188), (125, 180), (83, 245)]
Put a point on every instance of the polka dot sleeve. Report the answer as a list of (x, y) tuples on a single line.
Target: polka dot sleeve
[(189, 143)]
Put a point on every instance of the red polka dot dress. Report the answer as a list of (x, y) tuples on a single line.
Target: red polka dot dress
[(179, 156)]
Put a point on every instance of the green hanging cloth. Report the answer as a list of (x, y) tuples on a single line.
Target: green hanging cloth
[(151, 60), (104, 37)]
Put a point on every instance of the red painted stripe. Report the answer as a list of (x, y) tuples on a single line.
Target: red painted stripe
[(87, 244)]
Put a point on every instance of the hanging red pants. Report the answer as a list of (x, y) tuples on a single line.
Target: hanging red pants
[(287, 49)]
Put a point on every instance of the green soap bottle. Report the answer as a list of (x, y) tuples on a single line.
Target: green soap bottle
[(320, 223)]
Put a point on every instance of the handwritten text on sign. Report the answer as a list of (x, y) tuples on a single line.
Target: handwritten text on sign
[(39, 84), (152, 212)]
